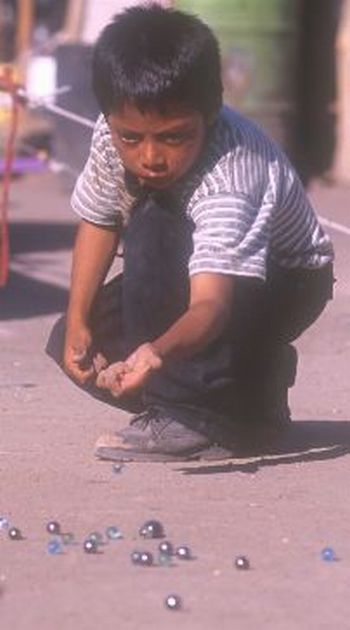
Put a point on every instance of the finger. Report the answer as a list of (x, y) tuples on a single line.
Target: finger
[(99, 362), (130, 382), (101, 379), (107, 377), (79, 375)]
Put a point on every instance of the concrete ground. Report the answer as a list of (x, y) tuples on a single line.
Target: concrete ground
[(279, 510)]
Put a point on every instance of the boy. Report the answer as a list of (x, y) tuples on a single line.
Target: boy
[(225, 262)]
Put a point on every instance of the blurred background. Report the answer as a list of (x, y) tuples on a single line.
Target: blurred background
[(286, 63)]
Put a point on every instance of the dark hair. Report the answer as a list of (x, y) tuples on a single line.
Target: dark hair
[(152, 57)]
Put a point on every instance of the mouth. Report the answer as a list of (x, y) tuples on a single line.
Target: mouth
[(155, 179)]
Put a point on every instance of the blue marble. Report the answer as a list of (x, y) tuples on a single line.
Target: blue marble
[(113, 533), (4, 524), (328, 554), (54, 547)]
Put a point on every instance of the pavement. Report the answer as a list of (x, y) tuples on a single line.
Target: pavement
[(280, 510)]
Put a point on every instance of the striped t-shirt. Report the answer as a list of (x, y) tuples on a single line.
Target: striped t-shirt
[(245, 200)]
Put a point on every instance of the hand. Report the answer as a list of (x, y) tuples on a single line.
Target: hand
[(127, 376), (78, 361)]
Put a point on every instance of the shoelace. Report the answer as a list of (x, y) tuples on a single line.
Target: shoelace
[(147, 416)]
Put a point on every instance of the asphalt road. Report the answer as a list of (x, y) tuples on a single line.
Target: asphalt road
[(279, 510)]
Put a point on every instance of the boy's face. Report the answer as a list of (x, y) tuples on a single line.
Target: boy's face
[(158, 148)]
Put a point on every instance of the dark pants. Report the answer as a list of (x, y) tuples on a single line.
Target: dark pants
[(246, 372)]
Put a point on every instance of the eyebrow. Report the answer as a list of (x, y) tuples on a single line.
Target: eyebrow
[(179, 128)]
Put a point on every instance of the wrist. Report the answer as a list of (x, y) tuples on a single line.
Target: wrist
[(146, 356), (77, 319)]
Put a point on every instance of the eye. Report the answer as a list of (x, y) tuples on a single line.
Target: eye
[(128, 137), (174, 138)]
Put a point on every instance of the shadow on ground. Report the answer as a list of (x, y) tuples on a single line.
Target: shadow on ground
[(37, 236), (307, 441), (24, 295)]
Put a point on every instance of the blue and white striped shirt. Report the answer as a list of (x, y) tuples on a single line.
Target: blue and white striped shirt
[(244, 198)]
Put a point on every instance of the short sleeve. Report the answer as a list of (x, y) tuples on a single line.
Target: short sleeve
[(230, 236), (99, 194)]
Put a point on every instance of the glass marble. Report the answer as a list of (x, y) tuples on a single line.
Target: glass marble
[(97, 537), (67, 538), (152, 529), (328, 554), (117, 468), (113, 533), (146, 559), (166, 548), (54, 547), (242, 563), (135, 557), (173, 602), (15, 533), (3, 523), (165, 560), (90, 546), (53, 528), (183, 553)]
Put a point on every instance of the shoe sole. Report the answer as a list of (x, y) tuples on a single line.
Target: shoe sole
[(210, 453)]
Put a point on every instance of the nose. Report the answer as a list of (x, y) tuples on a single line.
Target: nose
[(152, 157)]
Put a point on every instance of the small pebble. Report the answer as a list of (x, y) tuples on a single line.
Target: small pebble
[(53, 528), (113, 533), (54, 547), (242, 563), (173, 602), (15, 533)]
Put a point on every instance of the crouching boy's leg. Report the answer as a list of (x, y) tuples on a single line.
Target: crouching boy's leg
[(204, 406), (291, 301)]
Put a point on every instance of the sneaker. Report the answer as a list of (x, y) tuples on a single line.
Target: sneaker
[(169, 434)]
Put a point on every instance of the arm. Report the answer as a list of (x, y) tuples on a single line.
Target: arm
[(92, 256), (206, 317)]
